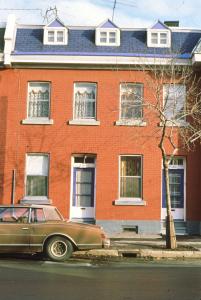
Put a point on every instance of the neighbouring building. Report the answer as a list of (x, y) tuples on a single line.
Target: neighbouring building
[(75, 133)]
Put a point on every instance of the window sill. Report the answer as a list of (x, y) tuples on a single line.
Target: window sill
[(139, 123), (39, 121), (133, 202), (175, 124), (35, 200), (84, 122)]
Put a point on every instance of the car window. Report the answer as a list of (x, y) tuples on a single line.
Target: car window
[(51, 214), (37, 215), (14, 214)]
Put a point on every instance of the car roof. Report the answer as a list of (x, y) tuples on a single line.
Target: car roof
[(27, 205)]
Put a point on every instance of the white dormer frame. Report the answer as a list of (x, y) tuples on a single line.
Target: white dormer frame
[(55, 32), (159, 38), (107, 36)]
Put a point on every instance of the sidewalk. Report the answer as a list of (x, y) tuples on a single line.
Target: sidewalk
[(146, 246)]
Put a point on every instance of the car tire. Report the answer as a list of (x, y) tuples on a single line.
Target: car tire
[(58, 248)]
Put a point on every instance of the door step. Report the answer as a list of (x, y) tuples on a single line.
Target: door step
[(180, 227)]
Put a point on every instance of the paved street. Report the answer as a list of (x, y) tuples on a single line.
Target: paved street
[(29, 279)]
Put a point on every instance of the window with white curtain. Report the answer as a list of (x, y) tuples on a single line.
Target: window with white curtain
[(37, 167), (85, 101), (38, 100)]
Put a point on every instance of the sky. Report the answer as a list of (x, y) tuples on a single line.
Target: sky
[(127, 13)]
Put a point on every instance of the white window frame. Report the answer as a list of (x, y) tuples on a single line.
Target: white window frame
[(175, 122), (125, 120), (158, 32), (84, 121), (55, 30), (37, 198), (176, 166), (107, 31), (37, 119)]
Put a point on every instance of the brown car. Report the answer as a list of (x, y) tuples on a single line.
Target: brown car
[(41, 228)]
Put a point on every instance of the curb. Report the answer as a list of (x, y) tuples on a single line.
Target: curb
[(136, 253)]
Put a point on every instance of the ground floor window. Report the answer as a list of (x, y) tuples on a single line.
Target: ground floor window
[(131, 176), (37, 166)]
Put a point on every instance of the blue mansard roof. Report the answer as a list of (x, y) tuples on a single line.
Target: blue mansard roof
[(29, 41)]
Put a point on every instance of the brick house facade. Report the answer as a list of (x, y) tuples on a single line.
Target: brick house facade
[(67, 133)]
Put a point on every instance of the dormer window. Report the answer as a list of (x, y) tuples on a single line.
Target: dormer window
[(159, 36), (55, 33), (107, 34), (56, 36)]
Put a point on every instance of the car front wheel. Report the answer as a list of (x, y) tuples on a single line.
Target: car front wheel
[(59, 248)]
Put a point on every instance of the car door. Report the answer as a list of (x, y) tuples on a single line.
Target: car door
[(38, 229), (14, 229)]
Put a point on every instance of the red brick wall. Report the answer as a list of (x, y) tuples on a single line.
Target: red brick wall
[(107, 141)]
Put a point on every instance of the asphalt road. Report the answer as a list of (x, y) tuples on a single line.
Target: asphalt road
[(26, 279)]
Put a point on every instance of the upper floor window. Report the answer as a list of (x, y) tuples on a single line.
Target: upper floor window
[(55, 33), (108, 37), (174, 99), (107, 34), (131, 100), (38, 100), (84, 101), (56, 36), (159, 36)]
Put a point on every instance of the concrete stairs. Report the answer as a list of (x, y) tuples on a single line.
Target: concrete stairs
[(180, 227)]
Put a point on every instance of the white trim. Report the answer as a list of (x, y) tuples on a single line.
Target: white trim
[(41, 120), (140, 123), (130, 200), (133, 202), (27, 197), (174, 167), (107, 31), (55, 30), (81, 165), (166, 92), (9, 39), (196, 58), (90, 59), (131, 121), (84, 122), (158, 32), (38, 121)]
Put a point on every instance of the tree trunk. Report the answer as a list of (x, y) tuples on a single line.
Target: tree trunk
[(171, 242)]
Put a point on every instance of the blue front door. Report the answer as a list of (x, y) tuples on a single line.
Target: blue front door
[(176, 179), (83, 193)]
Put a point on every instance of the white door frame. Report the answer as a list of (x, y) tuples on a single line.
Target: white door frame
[(82, 210), (175, 167)]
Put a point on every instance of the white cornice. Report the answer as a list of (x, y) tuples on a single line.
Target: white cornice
[(196, 58), (95, 60)]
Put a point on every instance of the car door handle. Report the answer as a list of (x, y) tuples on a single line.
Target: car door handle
[(25, 228)]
